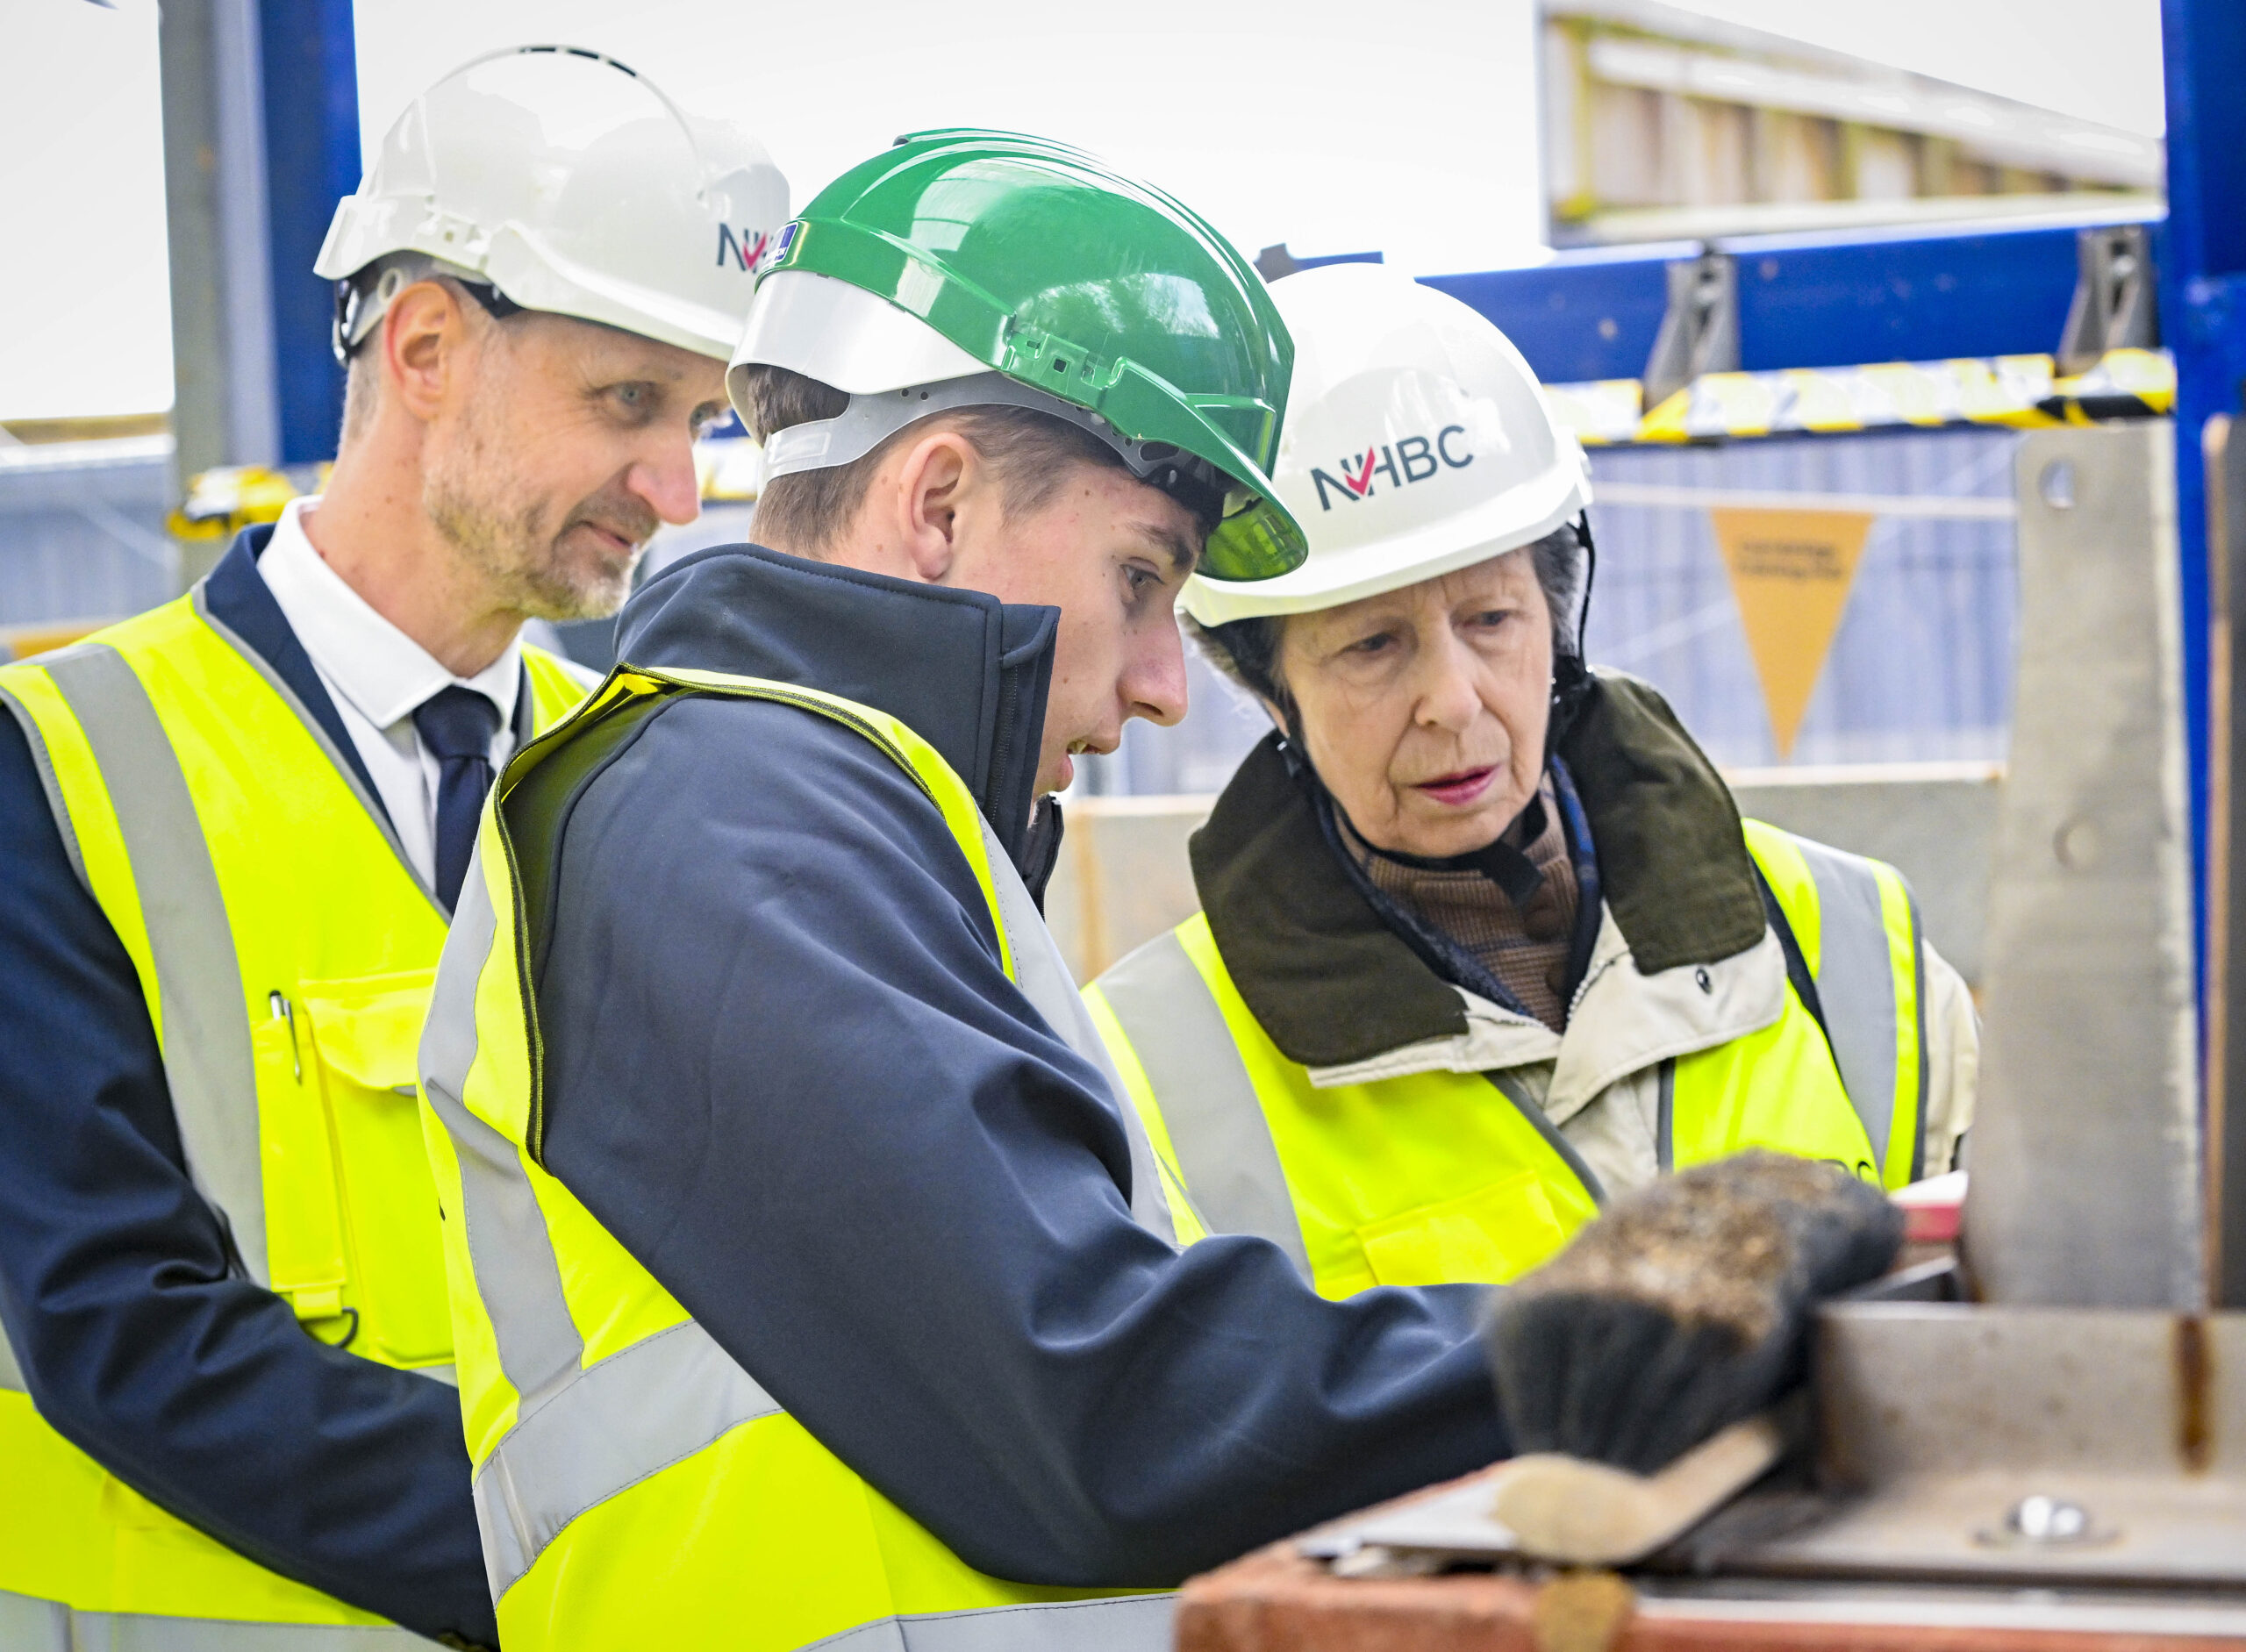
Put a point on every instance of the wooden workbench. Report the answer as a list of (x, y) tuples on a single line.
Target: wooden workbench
[(1274, 1600)]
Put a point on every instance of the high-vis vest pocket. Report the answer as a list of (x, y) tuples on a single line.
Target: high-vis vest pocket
[(350, 1048), (1489, 1236)]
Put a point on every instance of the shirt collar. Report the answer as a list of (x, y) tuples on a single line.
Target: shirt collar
[(383, 673)]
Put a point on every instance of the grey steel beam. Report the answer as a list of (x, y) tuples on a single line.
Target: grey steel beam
[(224, 408), (2085, 1152), (2224, 443)]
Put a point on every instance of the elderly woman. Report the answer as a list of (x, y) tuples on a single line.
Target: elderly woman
[(1483, 938)]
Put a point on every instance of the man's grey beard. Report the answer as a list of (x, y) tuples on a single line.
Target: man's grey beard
[(518, 549)]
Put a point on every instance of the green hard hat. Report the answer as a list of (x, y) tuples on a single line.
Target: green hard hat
[(1019, 270)]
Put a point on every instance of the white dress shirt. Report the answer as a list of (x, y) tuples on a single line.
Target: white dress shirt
[(378, 677)]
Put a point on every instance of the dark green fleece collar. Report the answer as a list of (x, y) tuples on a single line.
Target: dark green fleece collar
[(1332, 983)]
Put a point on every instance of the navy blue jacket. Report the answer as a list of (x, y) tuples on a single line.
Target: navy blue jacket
[(141, 1342), (785, 1068)]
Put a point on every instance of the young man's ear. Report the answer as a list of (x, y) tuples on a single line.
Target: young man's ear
[(940, 473)]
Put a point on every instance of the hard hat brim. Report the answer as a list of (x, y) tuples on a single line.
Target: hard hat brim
[(1521, 517)]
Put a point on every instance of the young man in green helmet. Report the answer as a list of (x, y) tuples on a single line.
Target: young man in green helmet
[(811, 1284)]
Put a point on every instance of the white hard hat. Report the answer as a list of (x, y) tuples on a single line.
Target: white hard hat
[(1417, 442), (571, 184)]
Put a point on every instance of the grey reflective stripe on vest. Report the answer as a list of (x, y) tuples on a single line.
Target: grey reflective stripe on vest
[(1043, 976), (1216, 1122), (1130, 1623), (29, 1625), (519, 1280), (207, 1062), (1856, 983), (656, 1403)]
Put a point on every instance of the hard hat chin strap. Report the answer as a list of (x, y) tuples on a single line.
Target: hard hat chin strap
[(1571, 678)]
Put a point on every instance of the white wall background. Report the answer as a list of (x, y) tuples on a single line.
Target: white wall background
[(85, 316), (2097, 60), (1408, 126)]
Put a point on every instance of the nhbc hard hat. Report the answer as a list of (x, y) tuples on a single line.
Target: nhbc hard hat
[(1417, 442), (976, 268), (570, 183)]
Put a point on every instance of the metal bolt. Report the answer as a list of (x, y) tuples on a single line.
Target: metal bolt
[(2038, 1521), (2047, 1520), (2078, 844)]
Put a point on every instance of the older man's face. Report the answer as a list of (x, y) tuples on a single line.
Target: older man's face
[(574, 443)]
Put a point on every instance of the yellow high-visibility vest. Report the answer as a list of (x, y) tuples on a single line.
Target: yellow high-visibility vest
[(636, 1486), (1446, 1177), (286, 949)]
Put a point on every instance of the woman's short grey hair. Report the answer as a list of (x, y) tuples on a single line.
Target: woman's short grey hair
[(1247, 650)]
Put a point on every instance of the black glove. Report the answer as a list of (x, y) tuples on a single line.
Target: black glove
[(1684, 1308)]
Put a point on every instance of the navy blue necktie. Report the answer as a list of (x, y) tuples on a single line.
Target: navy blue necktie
[(457, 725)]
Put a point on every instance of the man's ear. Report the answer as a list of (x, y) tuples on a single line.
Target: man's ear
[(424, 339), (941, 472)]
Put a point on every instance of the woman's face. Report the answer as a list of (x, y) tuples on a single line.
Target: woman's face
[(1424, 710)]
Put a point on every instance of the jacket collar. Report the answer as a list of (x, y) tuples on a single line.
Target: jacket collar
[(235, 597), (963, 671), (1340, 992)]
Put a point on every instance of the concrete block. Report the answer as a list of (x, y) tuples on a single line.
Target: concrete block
[(1934, 823)]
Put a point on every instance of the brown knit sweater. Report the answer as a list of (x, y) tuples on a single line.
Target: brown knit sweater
[(1525, 945)]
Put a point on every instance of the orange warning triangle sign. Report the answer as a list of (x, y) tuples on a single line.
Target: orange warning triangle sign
[(1791, 571)]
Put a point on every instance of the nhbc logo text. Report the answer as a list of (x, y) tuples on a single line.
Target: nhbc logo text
[(746, 253), (1413, 460)]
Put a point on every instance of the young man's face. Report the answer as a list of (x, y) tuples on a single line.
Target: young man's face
[(1111, 555), (573, 442)]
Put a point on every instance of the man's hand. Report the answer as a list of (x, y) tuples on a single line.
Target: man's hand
[(1683, 1308)]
